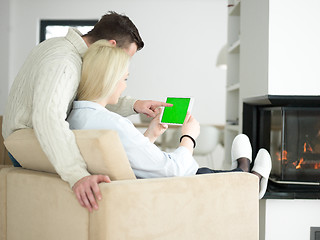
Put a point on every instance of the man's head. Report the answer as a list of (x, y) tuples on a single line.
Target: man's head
[(118, 28)]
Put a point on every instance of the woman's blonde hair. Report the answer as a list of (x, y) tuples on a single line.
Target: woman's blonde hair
[(103, 66)]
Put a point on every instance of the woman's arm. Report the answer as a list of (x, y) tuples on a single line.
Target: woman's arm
[(155, 128), (148, 161), (190, 127)]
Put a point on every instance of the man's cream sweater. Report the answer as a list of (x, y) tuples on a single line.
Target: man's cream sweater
[(42, 95)]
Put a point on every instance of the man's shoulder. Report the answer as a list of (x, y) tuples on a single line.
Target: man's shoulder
[(58, 46), (63, 50), (55, 52)]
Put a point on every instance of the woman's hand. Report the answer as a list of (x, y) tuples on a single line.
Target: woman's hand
[(155, 128), (190, 127)]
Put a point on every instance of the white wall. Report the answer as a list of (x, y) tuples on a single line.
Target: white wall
[(4, 52), (288, 219), (182, 41), (254, 48), (294, 47), (280, 47)]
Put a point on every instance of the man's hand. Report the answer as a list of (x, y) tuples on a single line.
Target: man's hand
[(148, 107), (87, 190)]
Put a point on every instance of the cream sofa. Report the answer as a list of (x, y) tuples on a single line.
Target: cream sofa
[(35, 204), (4, 157)]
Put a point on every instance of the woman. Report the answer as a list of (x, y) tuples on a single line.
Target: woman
[(104, 76)]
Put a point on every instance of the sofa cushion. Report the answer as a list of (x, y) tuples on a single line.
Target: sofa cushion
[(101, 158)]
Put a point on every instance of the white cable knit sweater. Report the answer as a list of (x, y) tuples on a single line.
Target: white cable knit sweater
[(41, 96)]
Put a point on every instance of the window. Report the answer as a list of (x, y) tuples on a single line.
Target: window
[(59, 28)]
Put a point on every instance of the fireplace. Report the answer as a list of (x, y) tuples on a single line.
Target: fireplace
[(289, 128)]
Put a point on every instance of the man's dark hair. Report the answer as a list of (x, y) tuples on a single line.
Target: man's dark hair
[(114, 26)]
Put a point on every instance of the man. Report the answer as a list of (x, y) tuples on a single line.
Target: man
[(45, 87)]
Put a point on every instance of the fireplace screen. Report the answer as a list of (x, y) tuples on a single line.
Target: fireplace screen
[(294, 143)]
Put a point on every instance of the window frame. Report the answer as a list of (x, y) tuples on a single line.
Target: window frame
[(72, 23)]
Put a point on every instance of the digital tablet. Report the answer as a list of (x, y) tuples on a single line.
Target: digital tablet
[(176, 114)]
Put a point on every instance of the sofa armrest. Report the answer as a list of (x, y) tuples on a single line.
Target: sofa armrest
[(37, 205), (213, 206), (4, 170)]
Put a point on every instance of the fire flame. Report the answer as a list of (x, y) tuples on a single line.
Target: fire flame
[(282, 156), (307, 147), (298, 164)]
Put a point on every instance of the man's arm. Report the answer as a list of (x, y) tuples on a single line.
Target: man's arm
[(127, 106), (87, 190), (55, 88)]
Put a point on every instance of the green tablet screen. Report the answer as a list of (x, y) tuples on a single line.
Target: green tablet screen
[(177, 113)]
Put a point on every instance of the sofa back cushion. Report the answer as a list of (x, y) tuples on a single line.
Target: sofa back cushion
[(101, 149)]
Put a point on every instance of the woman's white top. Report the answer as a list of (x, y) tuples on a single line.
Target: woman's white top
[(146, 159)]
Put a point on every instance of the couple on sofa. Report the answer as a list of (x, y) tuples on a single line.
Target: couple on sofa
[(47, 83), (104, 76)]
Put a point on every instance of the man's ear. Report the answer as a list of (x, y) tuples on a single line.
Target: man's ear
[(113, 42)]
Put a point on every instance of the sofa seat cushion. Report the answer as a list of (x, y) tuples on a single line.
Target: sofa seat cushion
[(101, 149)]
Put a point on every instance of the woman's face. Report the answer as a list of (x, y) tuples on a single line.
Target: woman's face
[(121, 86)]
